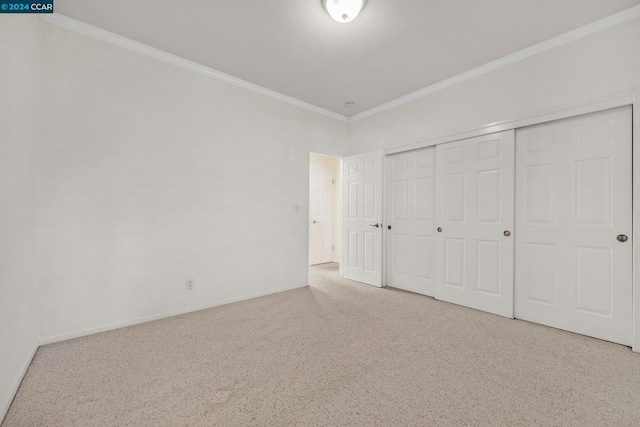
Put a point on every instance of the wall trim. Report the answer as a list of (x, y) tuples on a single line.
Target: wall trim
[(134, 46), (635, 171), (4, 410), (152, 317), (613, 101), (578, 33)]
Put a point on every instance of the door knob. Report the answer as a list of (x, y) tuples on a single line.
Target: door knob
[(439, 229), (376, 225), (388, 227), (622, 238), (507, 233)]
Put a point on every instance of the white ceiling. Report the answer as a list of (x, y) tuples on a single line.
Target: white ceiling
[(293, 47)]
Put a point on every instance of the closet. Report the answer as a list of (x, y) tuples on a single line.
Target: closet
[(534, 223)]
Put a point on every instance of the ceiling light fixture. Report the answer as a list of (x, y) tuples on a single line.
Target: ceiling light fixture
[(344, 11)]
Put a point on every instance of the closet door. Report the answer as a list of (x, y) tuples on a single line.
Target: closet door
[(474, 220), (574, 218), (410, 220)]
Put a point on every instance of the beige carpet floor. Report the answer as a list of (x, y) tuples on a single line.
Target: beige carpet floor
[(336, 353)]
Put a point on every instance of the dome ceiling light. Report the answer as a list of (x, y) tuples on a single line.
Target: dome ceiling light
[(344, 11)]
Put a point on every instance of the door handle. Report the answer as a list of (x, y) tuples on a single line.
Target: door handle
[(376, 225), (388, 227), (439, 229), (622, 238), (507, 233), (315, 222)]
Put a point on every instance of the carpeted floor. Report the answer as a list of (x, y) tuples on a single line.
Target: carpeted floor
[(335, 353)]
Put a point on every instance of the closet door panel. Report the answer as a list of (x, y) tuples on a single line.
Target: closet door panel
[(410, 216), (474, 220), (573, 204)]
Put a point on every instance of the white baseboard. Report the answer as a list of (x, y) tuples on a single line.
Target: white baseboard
[(150, 318), (16, 385)]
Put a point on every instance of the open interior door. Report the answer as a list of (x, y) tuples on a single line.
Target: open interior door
[(362, 218)]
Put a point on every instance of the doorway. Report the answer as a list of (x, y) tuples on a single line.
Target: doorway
[(324, 208)]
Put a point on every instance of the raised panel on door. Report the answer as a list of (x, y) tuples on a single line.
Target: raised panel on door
[(362, 218), (573, 199), (321, 216), (410, 216), (474, 208)]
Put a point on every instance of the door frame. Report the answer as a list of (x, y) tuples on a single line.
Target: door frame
[(337, 225), (621, 99), (333, 212)]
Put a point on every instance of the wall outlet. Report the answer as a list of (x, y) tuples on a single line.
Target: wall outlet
[(190, 284)]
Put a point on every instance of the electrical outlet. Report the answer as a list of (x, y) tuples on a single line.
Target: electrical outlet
[(190, 284)]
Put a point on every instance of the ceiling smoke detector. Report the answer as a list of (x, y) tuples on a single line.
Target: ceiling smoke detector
[(349, 104), (344, 11)]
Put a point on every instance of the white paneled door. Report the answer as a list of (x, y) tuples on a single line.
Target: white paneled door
[(573, 219), (321, 183), (410, 220), (474, 220), (362, 218)]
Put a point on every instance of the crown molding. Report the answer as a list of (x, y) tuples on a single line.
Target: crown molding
[(123, 42), (134, 46), (580, 32)]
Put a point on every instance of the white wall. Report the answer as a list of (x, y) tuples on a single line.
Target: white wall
[(332, 163), (19, 57), (578, 73), (150, 174)]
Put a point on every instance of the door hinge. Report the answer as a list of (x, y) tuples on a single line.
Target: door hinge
[(333, 181)]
